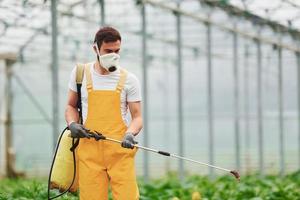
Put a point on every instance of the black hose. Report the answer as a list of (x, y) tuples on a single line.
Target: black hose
[(52, 164)]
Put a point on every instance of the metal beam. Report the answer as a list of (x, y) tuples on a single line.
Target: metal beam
[(236, 101), (9, 150), (280, 109), (179, 93), (246, 14), (32, 37), (298, 93), (259, 108), (145, 89), (246, 108), (210, 104), (54, 67), (102, 11), (222, 26), (165, 102), (148, 36), (7, 137)]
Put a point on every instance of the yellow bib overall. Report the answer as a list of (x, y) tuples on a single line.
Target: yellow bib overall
[(103, 162)]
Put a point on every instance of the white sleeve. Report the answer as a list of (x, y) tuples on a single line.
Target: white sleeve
[(134, 89), (72, 81)]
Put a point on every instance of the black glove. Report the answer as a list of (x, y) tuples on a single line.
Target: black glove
[(128, 141), (78, 130)]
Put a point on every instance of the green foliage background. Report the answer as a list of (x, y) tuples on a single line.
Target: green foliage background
[(252, 187)]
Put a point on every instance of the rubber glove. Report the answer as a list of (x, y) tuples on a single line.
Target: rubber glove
[(128, 141), (78, 130)]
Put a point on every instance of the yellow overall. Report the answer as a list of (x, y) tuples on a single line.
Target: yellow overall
[(103, 162)]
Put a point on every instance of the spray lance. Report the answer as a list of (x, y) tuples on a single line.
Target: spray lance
[(98, 136)]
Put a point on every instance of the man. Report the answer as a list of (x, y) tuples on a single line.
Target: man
[(107, 92)]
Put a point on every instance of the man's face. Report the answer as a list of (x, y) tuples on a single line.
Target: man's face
[(110, 47)]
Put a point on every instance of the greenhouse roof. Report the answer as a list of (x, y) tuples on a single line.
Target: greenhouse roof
[(22, 21)]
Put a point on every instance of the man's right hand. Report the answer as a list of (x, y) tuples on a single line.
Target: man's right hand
[(78, 130)]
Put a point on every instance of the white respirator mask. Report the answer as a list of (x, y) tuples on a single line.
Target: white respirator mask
[(109, 61)]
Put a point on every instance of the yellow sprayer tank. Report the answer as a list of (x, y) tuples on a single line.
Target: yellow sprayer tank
[(63, 167)]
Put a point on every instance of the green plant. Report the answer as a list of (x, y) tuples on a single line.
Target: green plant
[(252, 187)]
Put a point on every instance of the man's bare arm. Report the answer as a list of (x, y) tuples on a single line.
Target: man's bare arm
[(136, 123), (71, 113)]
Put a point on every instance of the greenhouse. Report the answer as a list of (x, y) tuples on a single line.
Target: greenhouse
[(217, 94)]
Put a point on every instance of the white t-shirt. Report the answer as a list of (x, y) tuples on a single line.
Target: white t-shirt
[(130, 93)]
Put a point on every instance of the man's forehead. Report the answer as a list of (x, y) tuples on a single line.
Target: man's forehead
[(115, 44)]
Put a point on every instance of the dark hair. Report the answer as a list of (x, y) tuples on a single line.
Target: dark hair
[(106, 34)]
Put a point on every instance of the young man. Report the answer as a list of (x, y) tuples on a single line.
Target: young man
[(107, 92)]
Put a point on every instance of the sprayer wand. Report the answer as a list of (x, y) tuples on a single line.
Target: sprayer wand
[(99, 136)]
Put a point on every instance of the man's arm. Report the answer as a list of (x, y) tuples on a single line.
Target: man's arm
[(71, 112), (136, 123), (72, 117)]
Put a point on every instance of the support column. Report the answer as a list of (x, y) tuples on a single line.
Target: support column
[(210, 112), (102, 12), (179, 92), (54, 67), (280, 109), (259, 108), (246, 107), (298, 92), (9, 150), (236, 101), (145, 90)]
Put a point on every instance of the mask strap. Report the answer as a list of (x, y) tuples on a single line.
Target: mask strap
[(97, 49)]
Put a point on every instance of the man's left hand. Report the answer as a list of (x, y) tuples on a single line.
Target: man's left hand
[(128, 141)]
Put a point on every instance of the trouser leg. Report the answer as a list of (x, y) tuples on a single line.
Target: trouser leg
[(123, 177), (93, 177), (94, 187)]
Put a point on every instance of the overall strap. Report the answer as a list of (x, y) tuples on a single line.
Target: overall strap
[(122, 80), (79, 77), (89, 83)]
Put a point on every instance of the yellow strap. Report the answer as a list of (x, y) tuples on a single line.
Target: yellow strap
[(122, 80), (89, 84), (79, 73)]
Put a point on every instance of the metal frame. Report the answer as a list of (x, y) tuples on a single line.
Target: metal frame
[(206, 20), (179, 93), (210, 110), (236, 101), (145, 89), (102, 11), (259, 108), (54, 67), (298, 94), (246, 108), (281, 118)]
